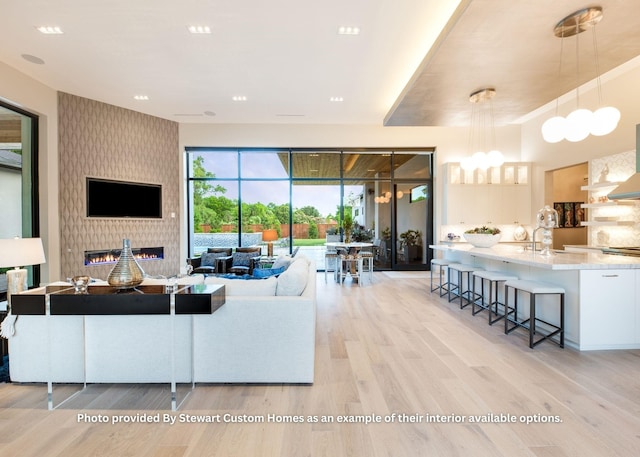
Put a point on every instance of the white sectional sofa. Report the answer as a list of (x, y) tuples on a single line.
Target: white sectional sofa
[(260, 335)]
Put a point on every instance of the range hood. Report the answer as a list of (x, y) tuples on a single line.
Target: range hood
[(630, 189)]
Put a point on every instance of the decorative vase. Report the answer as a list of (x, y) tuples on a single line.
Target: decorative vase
[(126, 274)]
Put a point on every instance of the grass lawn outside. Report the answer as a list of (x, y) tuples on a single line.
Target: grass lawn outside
[(309, 242)]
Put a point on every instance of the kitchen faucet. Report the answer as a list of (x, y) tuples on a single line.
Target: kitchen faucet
[(533, 238)]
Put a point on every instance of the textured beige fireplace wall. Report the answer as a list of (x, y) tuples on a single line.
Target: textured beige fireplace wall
[(105, 141)]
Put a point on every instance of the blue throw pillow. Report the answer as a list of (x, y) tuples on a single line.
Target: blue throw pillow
[(243, 259), (266, 272), (208, 259)]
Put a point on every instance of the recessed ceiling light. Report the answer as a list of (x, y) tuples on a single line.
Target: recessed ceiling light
[(348, 30), (199, 29), (50, 30), (239, 98), (32, 59), (336, 99), (141, 97)]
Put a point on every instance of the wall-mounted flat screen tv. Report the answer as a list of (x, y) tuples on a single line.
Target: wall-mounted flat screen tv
[(418, 193), (109, 198)]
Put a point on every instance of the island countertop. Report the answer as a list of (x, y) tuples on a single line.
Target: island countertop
[(560, 260)]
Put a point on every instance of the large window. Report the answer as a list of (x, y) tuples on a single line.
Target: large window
[(306, 196), (18, 181)]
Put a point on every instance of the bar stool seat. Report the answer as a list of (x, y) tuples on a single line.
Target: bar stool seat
[(441, 286), (492, 302), (534, 289), (456, 289)]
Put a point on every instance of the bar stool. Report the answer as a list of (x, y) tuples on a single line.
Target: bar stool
[(331, 264), (534, 289), (441, 286), (456, 289), (367, 262), (492, 302), (350, 265)]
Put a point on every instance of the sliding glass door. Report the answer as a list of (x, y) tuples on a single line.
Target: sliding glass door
[(18, 181), (308, 196)]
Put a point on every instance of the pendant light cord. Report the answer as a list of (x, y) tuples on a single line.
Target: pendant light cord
[(595, 51), (577, 65)]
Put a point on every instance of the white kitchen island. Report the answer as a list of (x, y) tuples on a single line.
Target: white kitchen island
[(602, 306)]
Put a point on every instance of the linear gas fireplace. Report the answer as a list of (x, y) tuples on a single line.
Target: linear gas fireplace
[(112, 255)]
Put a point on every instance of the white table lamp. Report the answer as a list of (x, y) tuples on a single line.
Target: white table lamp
[(19, 252)]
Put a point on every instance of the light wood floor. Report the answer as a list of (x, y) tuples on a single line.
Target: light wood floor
[(391, 347)]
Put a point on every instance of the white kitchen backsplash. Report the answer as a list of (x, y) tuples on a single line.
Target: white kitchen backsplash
[(614, 168)]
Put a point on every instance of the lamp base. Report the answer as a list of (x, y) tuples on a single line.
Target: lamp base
[(270, 249), (16, 282)]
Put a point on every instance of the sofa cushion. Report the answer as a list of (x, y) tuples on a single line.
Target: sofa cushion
[(250, 287), (294, 280), (243, 259), (208, 259), (282, 261)]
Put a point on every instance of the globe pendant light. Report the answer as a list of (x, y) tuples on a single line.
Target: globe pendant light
[(482, 126), (582, 122)]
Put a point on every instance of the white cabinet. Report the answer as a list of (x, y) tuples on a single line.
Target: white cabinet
[(500, 195), (608, 307)]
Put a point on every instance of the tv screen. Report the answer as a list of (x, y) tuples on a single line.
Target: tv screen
[(418, 193), (108, 198)]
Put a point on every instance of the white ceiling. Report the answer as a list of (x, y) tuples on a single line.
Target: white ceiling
[(287, 58)]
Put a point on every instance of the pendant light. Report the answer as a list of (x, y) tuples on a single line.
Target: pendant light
[(580, 123), (482, 133)]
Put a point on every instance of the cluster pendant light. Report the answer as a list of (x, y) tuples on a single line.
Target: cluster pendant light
[(482, 136), (386, 197), (581, 122)]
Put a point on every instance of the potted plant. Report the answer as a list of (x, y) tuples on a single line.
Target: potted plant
[(347, 225), (411, 244), (333, 235), (483, 237), (360, 234)]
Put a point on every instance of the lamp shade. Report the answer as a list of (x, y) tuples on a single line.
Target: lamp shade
[(19, 252), (553, 129), (269, 235), (578, 125), (605, 120)]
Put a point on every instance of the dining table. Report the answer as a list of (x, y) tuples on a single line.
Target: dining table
[(352, 249)]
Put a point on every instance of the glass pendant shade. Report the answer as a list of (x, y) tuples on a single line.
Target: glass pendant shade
[(467, 164), (480, 160), (605, 120), (495, 158), (553, 129), (578, 125)]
